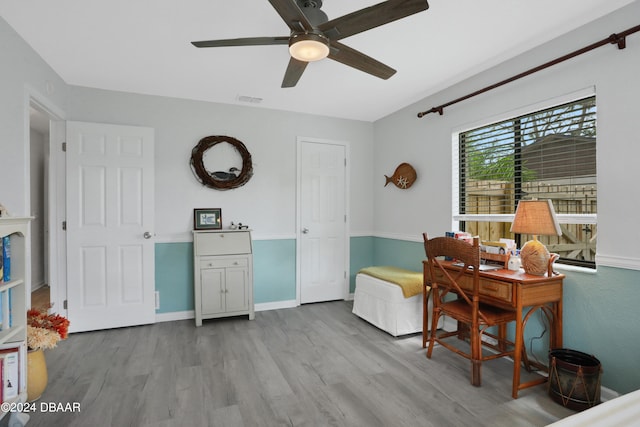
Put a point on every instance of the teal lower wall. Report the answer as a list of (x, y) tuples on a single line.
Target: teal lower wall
[(361, 255), (601, 313), (274, 270), (398, 253), (602, 318), (174, 276)]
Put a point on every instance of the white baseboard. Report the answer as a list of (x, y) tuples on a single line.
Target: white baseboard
[(190, 314), (607, 394), (449, 324), (265, 306), (175, 315), (36, 286)]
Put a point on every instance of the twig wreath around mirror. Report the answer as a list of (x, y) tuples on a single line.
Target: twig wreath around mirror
[(221, 180)]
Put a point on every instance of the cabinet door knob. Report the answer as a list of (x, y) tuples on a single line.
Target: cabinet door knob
[(305, 230), (146, 235)]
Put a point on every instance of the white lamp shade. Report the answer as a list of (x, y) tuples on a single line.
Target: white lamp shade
[(309, 47)]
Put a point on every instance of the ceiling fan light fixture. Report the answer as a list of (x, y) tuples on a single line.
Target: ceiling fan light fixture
[(309, 47)]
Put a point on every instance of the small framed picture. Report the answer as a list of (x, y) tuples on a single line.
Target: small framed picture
[(207, 219)]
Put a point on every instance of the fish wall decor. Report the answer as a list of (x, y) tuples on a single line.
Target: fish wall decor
[(403, 177)]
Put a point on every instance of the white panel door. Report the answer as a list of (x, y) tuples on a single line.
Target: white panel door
[(110, 221), (322, 235)]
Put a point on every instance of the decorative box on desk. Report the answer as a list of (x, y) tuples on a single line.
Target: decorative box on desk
[(498, 259), (223, 274)]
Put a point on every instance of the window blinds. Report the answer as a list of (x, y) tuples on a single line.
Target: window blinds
[(549, 154)]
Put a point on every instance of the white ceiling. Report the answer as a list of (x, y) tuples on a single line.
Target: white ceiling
[(143, 46)]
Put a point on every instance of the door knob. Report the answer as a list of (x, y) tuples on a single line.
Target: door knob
[(305, 230), (146, 235)]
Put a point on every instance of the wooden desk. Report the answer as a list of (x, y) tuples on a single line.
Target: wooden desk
[(516, 290)]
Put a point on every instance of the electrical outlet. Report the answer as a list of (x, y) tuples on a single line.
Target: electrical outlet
[(157, 300)]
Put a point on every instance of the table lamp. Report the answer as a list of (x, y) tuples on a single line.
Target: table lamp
[(535, 217)]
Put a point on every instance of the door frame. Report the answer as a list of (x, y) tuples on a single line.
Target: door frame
[(56, 243), (347, 196)]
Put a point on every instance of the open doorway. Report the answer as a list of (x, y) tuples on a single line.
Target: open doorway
[(38, 171), (44, 135)]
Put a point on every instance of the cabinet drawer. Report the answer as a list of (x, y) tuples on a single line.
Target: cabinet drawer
[(213, 262), (221, 243)]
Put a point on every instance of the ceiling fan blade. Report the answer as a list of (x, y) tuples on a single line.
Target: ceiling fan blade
[(249, 41), (371, 17), (293, 73), (360, 61), (292, 15)]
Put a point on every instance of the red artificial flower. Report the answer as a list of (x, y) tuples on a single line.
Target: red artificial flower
[(41, 319)]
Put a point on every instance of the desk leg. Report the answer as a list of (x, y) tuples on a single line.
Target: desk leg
[(518, 350), (553, 312), (557, 320), (425, 314)]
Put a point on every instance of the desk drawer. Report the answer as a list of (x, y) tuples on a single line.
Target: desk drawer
[(493, 289), (497, 290)]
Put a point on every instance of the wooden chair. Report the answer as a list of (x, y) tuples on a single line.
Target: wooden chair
[(473, 317)]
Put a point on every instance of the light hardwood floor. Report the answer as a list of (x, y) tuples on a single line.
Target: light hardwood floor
[(40, 297), (314, 365)]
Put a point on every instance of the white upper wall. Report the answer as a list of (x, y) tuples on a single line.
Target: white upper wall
[(22, 74), (267, 203), (427, 142)]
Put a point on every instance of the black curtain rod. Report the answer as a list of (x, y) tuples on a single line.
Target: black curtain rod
[(618, 39)]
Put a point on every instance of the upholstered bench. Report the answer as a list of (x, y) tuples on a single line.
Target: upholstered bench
[(389, 298)]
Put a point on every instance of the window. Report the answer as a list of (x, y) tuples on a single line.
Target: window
[(549, 154)]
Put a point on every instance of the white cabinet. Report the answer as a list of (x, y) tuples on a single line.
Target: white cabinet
[(223, 274), (14, 296)]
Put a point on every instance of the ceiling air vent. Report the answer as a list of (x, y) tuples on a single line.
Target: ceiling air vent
[(249, 99)]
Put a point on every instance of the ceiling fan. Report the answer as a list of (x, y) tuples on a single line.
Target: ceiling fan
[(314, 37)]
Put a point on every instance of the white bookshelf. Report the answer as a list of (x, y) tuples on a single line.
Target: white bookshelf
[(15, 297)]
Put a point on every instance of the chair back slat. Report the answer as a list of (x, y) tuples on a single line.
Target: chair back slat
[(464, 253), (469, 254)]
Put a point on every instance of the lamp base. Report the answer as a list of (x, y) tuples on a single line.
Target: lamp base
[(535, 258)]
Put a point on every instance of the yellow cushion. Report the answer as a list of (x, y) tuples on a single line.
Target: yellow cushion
[(409, 281)]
